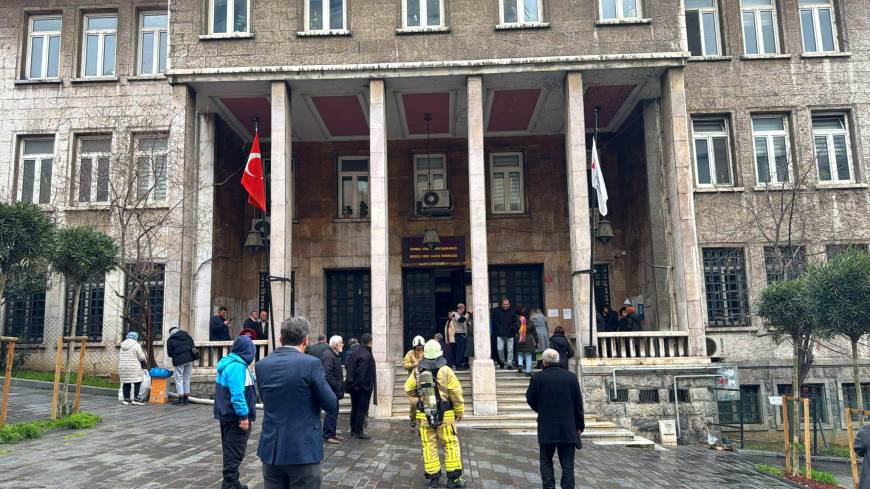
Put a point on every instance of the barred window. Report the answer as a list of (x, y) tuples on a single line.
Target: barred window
[(818, 400), (725, 286), (729, 411), (682, 395), (150, 285), (784, 262), (621, 395), (25, 318), (89, 320), (834, 250), (601, 283), (648, 396), (849, 395)]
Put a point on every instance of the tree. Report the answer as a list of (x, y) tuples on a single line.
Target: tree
[(26, 234), (839, 293)]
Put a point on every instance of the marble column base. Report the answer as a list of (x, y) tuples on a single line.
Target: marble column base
[(483, 382), (386, 384)]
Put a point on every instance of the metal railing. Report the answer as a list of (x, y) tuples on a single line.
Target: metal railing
[(644, 344)]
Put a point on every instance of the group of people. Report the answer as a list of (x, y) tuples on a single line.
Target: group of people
[(611, 322), (528, 330), (256, 326)]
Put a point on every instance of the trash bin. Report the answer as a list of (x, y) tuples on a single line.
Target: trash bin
[(159, 383)]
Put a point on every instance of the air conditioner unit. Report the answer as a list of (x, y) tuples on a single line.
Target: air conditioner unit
[(715, 348), (435, 203)]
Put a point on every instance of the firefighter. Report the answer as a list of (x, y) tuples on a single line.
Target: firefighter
[(412, 358), (439, 407)]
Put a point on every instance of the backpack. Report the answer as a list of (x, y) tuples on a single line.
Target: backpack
[(429, 397)]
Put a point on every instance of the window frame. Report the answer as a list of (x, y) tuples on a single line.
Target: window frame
[(355, 174), (424, 15), (708, 137), (95, 157), (33, 307), (325, 12), (724, 295), (101, 45), (715, 11), (46, 36), (37, 170), (142, 30), (829, 139), (231, 25), (491, 177), (755, 408), (521, 13), (796, 266), (769, 136), (91, 297), (152, 184), (814, 8), (417, 172), (157, 282), (620, 15), (756, 11)]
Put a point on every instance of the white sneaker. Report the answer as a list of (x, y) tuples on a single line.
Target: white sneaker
[(138, 403), (126, 403)]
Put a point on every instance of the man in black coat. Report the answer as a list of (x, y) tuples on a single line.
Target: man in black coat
[(560, 343), (505, 325), (253, 323), (361, 382), (331, 360), (180, 348), (555, 395), (219, 326)]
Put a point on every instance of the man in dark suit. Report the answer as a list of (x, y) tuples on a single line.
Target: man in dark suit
[(361, 382), (335, 378), (294, 391), (219, 326), (253, 323), (555, 395)]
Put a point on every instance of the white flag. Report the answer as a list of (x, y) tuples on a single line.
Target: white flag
[(598, 181)]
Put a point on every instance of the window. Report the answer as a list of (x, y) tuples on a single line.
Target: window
[(521, 11), (818, 400), (353, 187), (759, 27), (506, 183), (818, 29), (621, 395), (784, 262), (325, 15), (151, 168), (430, 173), (702, 27), (43, 47), (93, 170), (423, 13), (25, 317), (835, 250), (712, 151), (227, 16), (146, 295), (153, 42), (601, 285), (89, 320), (729, 411), (725, 286), (682, 395), (832, 147), (648, 396), (98, 56), (37, 156), (770, 138), (851, 400), (619, 9)]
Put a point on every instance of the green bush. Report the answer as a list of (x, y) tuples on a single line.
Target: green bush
[(769, 469), (79, 421), (821, 476), (14, 433)]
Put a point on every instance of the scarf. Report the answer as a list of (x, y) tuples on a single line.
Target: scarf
[(522, 329)]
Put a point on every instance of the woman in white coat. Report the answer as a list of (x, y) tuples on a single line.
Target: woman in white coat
[(130, 361)]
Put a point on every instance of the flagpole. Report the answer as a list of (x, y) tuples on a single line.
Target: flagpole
[(591, 350)]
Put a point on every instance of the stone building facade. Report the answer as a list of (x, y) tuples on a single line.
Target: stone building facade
[(703, 109)]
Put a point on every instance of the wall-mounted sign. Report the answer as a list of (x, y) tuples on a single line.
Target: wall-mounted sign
[(451, 252)]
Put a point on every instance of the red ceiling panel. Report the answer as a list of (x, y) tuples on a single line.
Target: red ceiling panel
[(246, 108), (512, 109), (609, 97), (342, 114), (417, 104)]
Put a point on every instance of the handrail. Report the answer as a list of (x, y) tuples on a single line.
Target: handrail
[(226, 343), (639, 334)]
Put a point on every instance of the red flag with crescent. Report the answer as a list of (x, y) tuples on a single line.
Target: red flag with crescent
[(252, 179)]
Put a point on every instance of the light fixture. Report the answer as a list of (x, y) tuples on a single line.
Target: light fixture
[(604, 231), (431, 240), (254, 242)]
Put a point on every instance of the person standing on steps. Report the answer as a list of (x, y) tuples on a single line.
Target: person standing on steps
[(219, 326), (440, 405), (335, 378), (409, 363), (461, 326), (527, 340), (235, 407), (562, 346), (539, 323), (361, 383), (264, 325), (180, 348), (252, 322), (505, 323)]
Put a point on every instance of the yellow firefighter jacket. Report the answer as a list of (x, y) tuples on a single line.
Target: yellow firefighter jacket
[(448, 387)]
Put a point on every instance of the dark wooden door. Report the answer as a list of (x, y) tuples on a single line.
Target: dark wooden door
[(348, 303), (521, 284), (419, 302)]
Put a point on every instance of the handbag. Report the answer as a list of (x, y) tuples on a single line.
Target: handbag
[(579, 445)]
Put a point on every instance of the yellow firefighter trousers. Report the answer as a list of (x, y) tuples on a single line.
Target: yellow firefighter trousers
[(446, 433)]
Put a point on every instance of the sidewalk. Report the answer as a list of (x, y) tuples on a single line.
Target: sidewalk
[(166, 446)]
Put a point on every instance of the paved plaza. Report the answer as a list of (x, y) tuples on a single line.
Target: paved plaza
[(157, 446)]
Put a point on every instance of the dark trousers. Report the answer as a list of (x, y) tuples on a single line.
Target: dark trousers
[(459, 352), (330, 424), (450, 355), (359, 409), (234, 442), (566, 460), (302, 476), (136, 387)]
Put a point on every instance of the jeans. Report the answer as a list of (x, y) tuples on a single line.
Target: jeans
[(459, 354), (136, 387), (566, 460), (234, 442), (524, 359), (302, 476), (359, 409), (506, 358), (182, 378), (330, 425)]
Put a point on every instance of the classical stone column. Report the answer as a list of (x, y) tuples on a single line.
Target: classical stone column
[(204, 228), (380, 248), (281, 205), (579, 231), (678, 179), (483, 369)]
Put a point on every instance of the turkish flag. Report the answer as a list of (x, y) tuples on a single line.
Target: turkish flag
[(252, 179)]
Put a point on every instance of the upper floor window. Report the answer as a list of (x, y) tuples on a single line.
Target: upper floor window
[(712, 151), (725, 286), (521, 11), (93, 168), (506, 183), (227, 16), (153, 42), (423, 13), (100, 37), (818, 26), (833, 148), (43, 47), (784, 262), (430, 175), (151, 168), (353, 187), (325, 15), (759, 27), (770, 137), (37, 157), (619, 9), (702, 27)]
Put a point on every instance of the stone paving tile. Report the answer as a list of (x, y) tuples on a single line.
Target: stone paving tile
[(165, 446)]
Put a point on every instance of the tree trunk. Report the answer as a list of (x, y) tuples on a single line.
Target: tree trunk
[(149, 328), (796, 419), (2, 288), (859, 396), (74, 314)]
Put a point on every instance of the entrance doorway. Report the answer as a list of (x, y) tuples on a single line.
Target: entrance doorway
[(429, 293), (348, 303), (521, 284)]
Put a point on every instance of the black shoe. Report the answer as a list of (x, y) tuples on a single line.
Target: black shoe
[(179, 401), (413, 423), (435, 482), (187, 401), (457, 482), (363, 436)]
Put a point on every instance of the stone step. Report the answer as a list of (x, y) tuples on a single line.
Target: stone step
[(636, 442)]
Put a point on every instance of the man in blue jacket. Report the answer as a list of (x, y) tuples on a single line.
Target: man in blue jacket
[(235, 407), (294, 390)]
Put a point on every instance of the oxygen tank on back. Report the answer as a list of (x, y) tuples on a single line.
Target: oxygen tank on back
[(429, 397)]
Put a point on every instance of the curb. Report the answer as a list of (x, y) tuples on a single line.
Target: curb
[(781, 479), (43, 385), (820, 458)]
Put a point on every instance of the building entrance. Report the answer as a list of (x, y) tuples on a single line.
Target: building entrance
[(348, 303), (429, 294)]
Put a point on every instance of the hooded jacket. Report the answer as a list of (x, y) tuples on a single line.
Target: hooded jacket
[(130, 360), (235, 395), (180, 347)]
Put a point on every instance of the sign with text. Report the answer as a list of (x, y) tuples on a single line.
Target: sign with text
[(451, 251)]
